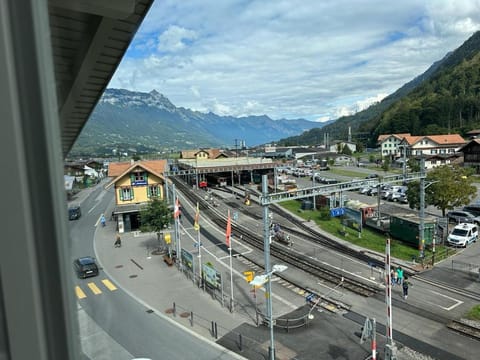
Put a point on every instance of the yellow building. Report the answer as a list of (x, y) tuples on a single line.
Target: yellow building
[(135, 184)]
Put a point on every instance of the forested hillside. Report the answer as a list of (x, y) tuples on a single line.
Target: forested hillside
[(447, 103), (443, 99)]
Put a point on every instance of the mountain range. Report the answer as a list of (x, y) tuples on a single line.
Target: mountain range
[(444, 99), (137, 122)]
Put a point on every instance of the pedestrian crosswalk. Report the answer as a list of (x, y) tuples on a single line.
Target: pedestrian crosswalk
[(92, 288)]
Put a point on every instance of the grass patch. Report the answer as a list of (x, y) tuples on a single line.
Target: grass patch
[(371, 239), (474, 313)]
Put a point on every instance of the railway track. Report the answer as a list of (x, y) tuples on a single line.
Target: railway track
[(314, 236), (465, 329), (286, 255), (312, 267)]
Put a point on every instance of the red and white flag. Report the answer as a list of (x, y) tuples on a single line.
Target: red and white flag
[(176, 209), (228, 232)]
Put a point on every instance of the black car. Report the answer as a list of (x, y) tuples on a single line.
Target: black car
[(74, 212), (85, 267), (461, 216), (371, 176)]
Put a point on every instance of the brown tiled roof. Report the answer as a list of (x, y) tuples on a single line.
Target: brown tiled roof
[(410, 139), (447, 139), (188, 154), (156, 167), (386, 136), (117, 168)]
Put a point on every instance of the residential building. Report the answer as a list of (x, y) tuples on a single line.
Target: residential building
[(436, 149), (471, 154), (389, 144), (135, 184)]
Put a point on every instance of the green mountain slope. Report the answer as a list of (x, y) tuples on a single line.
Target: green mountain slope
[(440, 100)]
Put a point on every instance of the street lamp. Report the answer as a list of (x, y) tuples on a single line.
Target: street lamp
[(259, 280)]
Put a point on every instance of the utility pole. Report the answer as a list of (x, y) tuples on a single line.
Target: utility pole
[(421, 234), (390, 350)]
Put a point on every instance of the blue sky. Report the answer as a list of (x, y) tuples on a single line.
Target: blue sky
[(309, 59)]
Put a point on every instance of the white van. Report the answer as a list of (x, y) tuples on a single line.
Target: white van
[(463, 234)]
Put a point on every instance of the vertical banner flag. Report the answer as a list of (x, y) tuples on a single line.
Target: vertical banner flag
[(228, 232), (176, 209), (196, 225)]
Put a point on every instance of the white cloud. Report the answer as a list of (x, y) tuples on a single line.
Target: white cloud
[(290, 59), (175, 38)]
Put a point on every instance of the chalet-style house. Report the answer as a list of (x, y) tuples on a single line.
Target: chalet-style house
[(437, 150), (471, 154), (135, 184)]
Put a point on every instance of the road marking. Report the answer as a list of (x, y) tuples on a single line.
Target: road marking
[(79, 292), (458, 302), (109, 285), (94, 288)]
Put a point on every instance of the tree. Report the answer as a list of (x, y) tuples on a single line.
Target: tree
[(155, 217), (447, 187), (346, 150), (413, 164), (386, 164)]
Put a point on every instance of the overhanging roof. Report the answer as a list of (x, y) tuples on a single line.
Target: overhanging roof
[(89, 38)]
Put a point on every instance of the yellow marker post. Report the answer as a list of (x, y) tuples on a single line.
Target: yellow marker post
[(168, 238), (249, 275)]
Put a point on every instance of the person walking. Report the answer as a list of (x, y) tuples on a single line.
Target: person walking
[(399, 275), (395, 277), (118, 241), (405, 286), (102, 220)]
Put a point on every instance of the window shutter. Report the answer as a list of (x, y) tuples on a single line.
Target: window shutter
[(146, 176), (131, 192), (149, 193), (120, 194), (132, 178)]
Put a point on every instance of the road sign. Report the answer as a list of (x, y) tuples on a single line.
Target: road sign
[(249, 275)]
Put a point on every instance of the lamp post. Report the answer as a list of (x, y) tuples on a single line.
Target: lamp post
[(258, 281)]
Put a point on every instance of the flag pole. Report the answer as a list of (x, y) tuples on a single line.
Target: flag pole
[(196, 225), (228, 240), (231, 279)]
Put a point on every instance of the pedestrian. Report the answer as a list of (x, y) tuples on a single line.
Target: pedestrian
[(400, 275), (405, 286), (395, 277), (102, 220), (118, 241)]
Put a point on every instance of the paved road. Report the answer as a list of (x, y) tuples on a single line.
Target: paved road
[(156, 286), (114, 323)]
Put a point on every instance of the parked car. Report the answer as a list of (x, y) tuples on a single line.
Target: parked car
[(74, 212), (403, 199), (85, 267), (365, 190), (460, 216), (463, 234), (472, 208)]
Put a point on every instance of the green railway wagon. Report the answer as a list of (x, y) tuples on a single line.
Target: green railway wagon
[(407, 228)]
